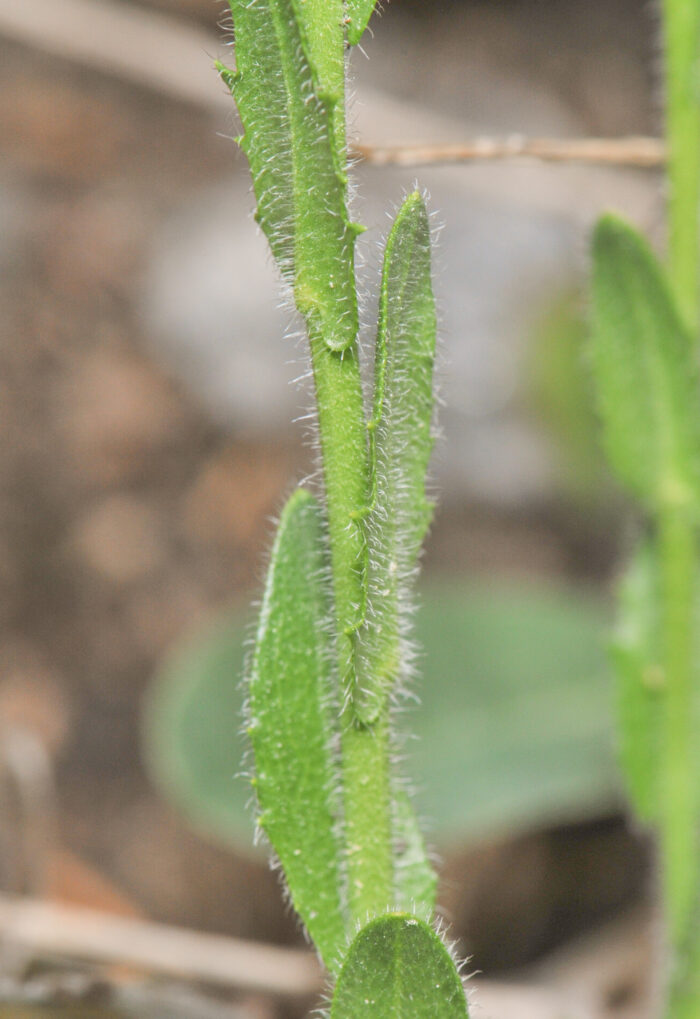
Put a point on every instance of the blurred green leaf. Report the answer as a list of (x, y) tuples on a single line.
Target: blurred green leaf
[(514, 725), (640, 678), (416, 880), (193, 744), (645, 370), (562, 397), (398, 968), (290, 724)]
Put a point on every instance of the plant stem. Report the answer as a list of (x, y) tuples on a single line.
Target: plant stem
[(685, 991), (678, 549), (679, 838), (366, 777), (341, 424), (682, 52), (677, 536), (364, 749)]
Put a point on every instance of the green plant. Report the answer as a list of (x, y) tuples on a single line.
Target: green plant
[(645, 359), (332, 646), (514, 693), (332, 641)]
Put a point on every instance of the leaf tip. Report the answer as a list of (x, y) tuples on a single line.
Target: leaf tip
[(228, 76), (612, 231)]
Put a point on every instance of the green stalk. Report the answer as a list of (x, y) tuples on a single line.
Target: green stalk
[(678, 547), (364, 749), (682, 52), (368, 835), (677, 536), (685, 993)]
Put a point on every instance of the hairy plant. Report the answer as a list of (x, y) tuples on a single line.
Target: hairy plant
[(333, 641), (645, 360), (332, 644)]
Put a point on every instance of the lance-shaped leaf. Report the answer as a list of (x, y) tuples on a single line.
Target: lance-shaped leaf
[(645, 370), (320, 25), (286, 87), (358, 13), (640, 681), (321, 28), (416, 880), (401, 440), (289, 723), (398, 968)]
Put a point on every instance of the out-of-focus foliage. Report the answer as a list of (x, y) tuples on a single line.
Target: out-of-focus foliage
[(645, 369), (514, 724), (637, 654), (646, 373), (562, 397)]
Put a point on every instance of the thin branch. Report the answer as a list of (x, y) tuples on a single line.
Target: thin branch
[(632, 151), (47, 930), (174, 58)]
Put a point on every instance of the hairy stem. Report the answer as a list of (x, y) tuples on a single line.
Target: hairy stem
[(678, 539), (366, 777), (682, 52), (679, 839), (364, 749), (679, 810)]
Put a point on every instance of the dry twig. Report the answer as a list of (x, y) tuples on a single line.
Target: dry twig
[(174, 58), (44, 930), (632, 151)]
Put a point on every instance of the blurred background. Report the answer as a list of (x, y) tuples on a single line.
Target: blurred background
[(146, 394)]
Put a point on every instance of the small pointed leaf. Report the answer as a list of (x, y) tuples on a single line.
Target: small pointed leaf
[(645, 370), (416, 880), (321, 28), (289, 723), (398, 968), (320, 25), (640, 680), (288, 89), (401, 442), (358, 13)]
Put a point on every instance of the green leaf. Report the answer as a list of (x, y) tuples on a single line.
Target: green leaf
[(561, 395), (416, 880), (289, 723), (287, 89), (358, 13), (514, 730), (514, 724), (321, 27), (640, 680), (398, 968), (403, 386), (401, 440), (645, 370)]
